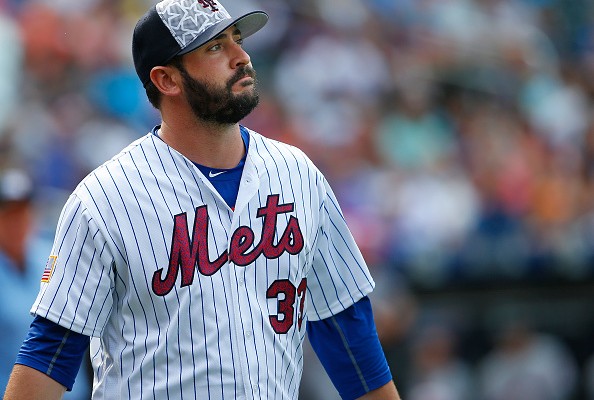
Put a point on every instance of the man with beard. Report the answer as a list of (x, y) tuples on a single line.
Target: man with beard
[(196, 259)]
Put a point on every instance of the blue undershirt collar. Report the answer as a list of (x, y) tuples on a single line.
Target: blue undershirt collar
[(225, 181)]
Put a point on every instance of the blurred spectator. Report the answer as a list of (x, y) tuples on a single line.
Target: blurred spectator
[(411, 134), (22, 254), (329, 110), (527, 365), (557, 106), (19, 284), (438, 372)]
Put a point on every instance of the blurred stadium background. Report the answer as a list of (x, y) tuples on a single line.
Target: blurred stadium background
[(457, 134)]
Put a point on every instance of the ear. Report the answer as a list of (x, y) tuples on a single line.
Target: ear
[(167, 80)]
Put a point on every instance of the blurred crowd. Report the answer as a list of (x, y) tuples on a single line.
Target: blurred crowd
[(457, 134)]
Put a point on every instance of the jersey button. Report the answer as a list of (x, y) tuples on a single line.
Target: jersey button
[(240, 281)]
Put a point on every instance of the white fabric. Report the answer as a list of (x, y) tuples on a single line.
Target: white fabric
[(188, 19), (212, 335)]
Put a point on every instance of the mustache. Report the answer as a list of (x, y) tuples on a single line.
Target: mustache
[(241, 73)]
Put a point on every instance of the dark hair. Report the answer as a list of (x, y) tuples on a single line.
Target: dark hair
[(152, 93)]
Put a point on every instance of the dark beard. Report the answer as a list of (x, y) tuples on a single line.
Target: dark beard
[(220, 105)]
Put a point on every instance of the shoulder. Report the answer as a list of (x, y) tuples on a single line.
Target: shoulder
[(106, 177), (270, 151)]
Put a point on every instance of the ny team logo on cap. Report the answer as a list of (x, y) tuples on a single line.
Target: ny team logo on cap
[(209, 3), (188, 19)]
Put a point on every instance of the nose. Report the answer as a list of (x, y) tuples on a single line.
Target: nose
[(240, 56)]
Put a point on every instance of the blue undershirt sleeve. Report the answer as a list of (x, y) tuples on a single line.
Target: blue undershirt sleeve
[(54, 350), (350, 351)]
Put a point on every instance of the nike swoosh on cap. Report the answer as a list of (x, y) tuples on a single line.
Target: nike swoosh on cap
[(212, 175)]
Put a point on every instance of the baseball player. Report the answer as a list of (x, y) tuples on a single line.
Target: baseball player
[(195, 260)]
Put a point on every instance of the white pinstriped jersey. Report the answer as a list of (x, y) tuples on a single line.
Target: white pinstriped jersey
[(187, 299)]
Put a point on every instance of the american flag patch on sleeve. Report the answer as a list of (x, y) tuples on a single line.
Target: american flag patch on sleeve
[(49, 269)]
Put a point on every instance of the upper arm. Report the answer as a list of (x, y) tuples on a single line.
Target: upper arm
[(54, 351), (26, 383), (339, 276), (77, 291), (348, 347)]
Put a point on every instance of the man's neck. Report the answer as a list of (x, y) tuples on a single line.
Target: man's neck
[(212, 145)]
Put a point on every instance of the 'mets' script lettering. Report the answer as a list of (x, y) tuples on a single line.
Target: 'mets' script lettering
[(191, 254)]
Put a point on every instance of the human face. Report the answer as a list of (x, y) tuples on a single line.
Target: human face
[(221, 59)]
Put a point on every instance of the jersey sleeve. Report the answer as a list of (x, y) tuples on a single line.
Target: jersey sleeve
[(77, 283), (53, 350), (339, 276), (348, 347)]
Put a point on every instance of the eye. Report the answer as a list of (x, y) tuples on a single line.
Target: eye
[(239, 41), (215, 47)]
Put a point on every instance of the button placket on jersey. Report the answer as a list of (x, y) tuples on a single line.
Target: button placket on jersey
[(248, 189)]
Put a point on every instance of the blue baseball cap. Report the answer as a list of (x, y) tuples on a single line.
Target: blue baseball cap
[(176, 27), (15, 185)]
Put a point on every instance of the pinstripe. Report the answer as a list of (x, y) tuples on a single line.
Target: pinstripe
[(283, 200), (165, 173), (262, 322), (59, 248), (224, 292), (325, 263), (297, 349), (347, 268), (244, 271), (249, 382), (304, 215), (86, 187), (140, 256), (83, 287), (253, 336), (251, 226), (334, 262), (179, 339), (95, 296), (202, 300), (297, 272), (117, 189), (100, 275), (133, 282), (176, 197), (72, 281), (274, 346), (124, 251), (152, 246), (323, 293), (156, 180), (192, 334), (354, 259), (216, 317)]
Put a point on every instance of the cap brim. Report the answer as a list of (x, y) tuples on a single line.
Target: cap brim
[(247, 24)]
